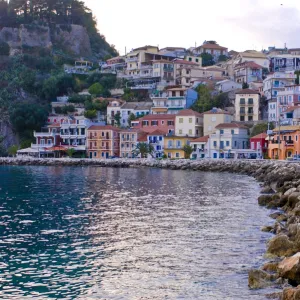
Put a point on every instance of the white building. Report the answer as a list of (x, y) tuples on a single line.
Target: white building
[(228, 139), (189, 123), (138, 109), (156, 139), (201, 147), (227, 85), (113, 108)]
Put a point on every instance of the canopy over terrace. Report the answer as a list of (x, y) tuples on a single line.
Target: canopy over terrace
[(28, 151)]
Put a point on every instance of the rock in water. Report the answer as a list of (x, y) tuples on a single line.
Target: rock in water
[(280, 246), (258, 279), (289, 268)]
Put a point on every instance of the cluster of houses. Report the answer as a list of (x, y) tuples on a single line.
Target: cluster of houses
[(169, 77)]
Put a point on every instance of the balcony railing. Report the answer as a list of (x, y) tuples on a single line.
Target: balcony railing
[(132, 59), (146, 67), (289, 142), (37, 146), (44, 134)]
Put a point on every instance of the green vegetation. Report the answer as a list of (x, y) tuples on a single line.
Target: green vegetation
[(90, 114), (188, 150), (12, 150), (297, 73), (143, 149), (96, 89), (70, 152), (4, 48), (207, 59), (117, 119), (245, 85), (260, 128)]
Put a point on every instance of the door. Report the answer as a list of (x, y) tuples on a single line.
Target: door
[(107, 154), (91, 154)]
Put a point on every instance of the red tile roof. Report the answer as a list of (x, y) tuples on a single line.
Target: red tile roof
[(217, 111), (184, 62), (158, 132), (231, 125), (203, 139), (248, 64), (290, 109), (158, 117), (189, 112), (259, 136), (143, 137), (247, 91), (104, 127), (212, 46)]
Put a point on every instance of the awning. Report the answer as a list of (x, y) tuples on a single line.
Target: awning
[(56, 148), (28, 150)]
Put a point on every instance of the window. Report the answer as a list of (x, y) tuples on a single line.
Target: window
[(250, 118), (102, 154), (49, 141), (162, 122), (160, 138), (170, 144), (296, 138), (227, 143), (250, 101), (190, 131), (242, 101), (178, 144), (242, 118), (177, 155), (169, 155), (190, 59), (190, 120), (180, 120), (170, 123), (221, 131), (154, 123), (213, 119), (197, 60), (42, 142), (215, 143), (180, 131)]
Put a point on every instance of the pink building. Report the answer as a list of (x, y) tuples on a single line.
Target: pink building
[(150, 123)]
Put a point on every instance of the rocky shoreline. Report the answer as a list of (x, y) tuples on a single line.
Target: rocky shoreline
[(280, 191)]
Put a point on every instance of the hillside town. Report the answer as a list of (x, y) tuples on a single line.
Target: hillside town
[(261, 90)]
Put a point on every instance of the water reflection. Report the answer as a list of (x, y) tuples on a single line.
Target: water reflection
[(80, 233)]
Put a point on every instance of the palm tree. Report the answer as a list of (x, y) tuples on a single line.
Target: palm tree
[(70, 152), (143, 149), (188, 150)]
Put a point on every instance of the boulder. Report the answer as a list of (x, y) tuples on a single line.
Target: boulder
[(293, 199), (291, 294), (290, 191), (270, 267), (264, 199), (280, 246), (258, 279), (289, 268), (267, 190)]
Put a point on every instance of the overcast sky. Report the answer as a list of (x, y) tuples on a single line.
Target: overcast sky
[(236, 24)]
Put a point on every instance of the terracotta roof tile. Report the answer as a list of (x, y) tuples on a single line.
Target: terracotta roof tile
[(231, 125), (248, 64), (203, 139), (260, 136), (189, 112), (158, 117), (247, 91), (104, 127)]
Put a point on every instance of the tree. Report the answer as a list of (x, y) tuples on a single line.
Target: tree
[(96, 89), (207, 59), (70, 152), (117, 119), (12, 150), (4, 48), (245, 85), (90, 114), (143, 149), (131, 118), (222, 58), (50, 89), (204, 101), (261, 128), (188, 150)]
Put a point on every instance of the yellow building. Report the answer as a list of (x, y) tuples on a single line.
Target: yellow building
[(103, 141), (213, 118), (189, 123), (173, 146), (247, 105)]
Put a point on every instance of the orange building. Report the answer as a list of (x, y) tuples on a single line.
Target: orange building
[(103, 141), (285, 142)]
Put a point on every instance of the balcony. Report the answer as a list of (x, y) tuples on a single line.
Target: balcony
[(168, 78), (132, 59), (146, 67), (44, 134), (289, 142), (40, 146), (173, 147)]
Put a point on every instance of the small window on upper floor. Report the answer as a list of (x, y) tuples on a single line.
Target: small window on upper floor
[(190, 59)]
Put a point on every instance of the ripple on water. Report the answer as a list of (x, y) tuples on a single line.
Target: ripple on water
[(93, 233)]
